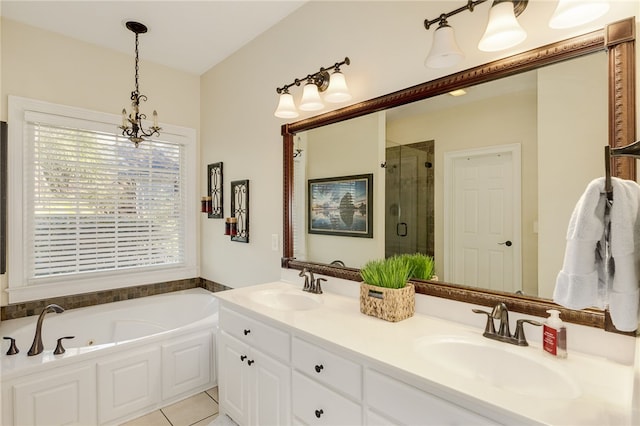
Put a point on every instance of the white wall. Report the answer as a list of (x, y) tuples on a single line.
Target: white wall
[(387, 44), (46, 66)]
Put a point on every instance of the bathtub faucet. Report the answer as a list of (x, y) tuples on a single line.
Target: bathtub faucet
[(37, 347)]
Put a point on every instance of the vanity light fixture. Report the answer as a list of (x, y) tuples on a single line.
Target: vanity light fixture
[(571, 13), (333, 85), (503, 30), (132, 123)]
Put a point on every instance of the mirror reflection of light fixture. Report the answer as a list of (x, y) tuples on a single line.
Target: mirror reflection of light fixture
[(503, 30), (444, 51), (571, 13), (132, 123), (334, 87)]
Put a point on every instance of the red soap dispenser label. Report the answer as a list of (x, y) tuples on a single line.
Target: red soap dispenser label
[(550, 340)]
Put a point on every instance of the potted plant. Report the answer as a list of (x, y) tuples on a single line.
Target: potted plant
[(385, 292), (422, 266)]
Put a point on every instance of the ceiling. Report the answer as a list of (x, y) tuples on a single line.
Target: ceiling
[(192, 36)]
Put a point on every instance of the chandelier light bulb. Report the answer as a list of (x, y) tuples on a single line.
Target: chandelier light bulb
[(572, 13), (444, 51), (503, 30)]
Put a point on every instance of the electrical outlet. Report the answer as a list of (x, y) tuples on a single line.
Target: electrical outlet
[(274, 242)]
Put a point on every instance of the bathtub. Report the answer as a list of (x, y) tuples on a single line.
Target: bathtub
[(127, 358)]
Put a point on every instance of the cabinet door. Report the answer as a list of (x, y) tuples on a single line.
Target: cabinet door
[(65, 397), (272, 385), (186, 364), (128, 383), (233, 378)]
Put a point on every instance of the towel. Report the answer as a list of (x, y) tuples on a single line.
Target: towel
[(582, 282)]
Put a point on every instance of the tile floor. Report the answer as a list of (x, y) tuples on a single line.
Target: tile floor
[(198, 410)]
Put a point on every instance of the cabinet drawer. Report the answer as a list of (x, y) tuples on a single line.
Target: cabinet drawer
[(327, 367), (257, 334), (316, 405), (409, 405)]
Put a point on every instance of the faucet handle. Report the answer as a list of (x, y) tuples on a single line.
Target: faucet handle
[(519, 334), (13, 349), (489, 328), (59, 349)]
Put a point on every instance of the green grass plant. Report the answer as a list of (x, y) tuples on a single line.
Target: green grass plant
[(392, 272), (422, 265)]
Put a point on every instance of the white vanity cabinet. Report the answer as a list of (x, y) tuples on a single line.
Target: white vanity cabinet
[(273, 375), (327, 388), (254, 372)]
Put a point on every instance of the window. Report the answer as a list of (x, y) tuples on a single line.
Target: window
[(96, 212)]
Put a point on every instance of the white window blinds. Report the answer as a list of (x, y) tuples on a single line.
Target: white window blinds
[(100, 204)]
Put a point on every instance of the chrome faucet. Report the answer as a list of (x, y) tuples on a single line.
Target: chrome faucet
[(311, 284), (316, 286), (308, 280), (37, 347), (503, 334)]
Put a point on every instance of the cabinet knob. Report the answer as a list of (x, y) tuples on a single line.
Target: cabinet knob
[(319, 368), (319, 413), (246, 331), (250, 361), (243, 357)]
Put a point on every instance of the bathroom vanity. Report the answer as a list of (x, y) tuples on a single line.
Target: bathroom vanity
[(291, 357)]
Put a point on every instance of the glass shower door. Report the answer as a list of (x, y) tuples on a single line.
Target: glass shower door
[(409, 198)]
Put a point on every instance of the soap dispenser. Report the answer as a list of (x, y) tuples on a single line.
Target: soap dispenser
[(554, 335)]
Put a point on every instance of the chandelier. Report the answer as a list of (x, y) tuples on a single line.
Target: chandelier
[(132, 123)]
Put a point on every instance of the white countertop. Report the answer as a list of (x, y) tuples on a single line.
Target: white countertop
[(606, 387)]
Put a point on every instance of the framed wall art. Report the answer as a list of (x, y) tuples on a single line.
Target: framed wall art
[(341, 206)]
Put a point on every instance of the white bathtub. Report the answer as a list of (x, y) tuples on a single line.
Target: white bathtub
[(127, 358)]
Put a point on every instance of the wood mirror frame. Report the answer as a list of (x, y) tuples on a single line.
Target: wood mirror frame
[(618, 39)]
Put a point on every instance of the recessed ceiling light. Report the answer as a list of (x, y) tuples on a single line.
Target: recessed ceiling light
[(458, 92)]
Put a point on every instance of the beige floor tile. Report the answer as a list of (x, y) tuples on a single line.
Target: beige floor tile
[(191, 410), (205, 422), (155, 418), (213, 393)]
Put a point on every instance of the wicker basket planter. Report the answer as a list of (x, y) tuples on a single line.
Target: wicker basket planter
[(390, 304)]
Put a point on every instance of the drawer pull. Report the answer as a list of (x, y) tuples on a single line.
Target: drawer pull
[(319, 368), (246, 331), (319, 413), (250, 361), (243, 357)]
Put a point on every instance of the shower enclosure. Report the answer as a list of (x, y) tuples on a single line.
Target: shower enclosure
[(409, 194)]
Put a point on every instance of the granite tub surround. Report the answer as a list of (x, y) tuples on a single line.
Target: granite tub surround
[(24, 309), (587, 389)]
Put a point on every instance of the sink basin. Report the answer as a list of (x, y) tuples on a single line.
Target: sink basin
[(499, 365), (286, 300)]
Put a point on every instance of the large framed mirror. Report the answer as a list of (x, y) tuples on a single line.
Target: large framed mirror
[(555, 107)]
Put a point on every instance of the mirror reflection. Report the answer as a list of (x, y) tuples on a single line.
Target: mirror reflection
[(480, 181)]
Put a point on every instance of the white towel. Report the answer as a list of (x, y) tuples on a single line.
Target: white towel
[(581, 283)]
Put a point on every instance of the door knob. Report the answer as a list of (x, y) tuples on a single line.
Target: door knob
[(507, 243)]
